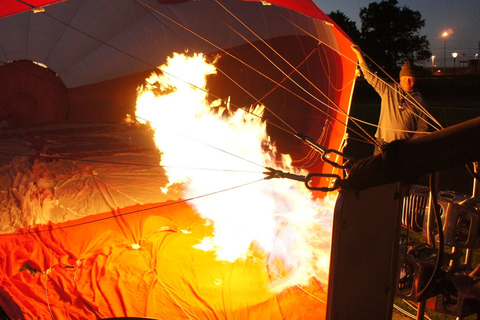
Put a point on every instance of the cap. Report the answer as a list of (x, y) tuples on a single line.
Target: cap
[(407, 70)]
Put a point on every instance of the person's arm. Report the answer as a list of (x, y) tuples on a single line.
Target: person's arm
[(367, 74), (422, 123), (422, 127)]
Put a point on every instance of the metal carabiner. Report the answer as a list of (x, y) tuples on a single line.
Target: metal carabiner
[(327, 155), (322, 175)]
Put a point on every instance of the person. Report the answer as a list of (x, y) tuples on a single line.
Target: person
[(401, 115)]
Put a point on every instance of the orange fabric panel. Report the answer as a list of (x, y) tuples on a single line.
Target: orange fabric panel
[(87, 269)]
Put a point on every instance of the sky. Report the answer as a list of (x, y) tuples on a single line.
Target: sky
[(461, 17)]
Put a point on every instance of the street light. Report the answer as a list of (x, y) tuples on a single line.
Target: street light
[(445, 35), (454, 55), (433, 61)]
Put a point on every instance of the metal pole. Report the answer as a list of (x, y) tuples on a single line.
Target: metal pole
[(454, 66), (421, 310), (445, 55), (478, 59)]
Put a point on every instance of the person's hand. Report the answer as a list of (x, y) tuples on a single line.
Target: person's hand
[(358, 73), (357, 51)]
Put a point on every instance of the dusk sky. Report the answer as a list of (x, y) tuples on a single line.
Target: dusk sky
[(461, 17)]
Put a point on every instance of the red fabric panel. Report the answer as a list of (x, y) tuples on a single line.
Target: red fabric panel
[(304, 6), (10, 7), (88, 269)]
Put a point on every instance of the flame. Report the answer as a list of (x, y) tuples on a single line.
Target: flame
[(218, 157)]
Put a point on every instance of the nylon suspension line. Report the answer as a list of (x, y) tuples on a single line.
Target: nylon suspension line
[(279, 55), (410, 99), (115, 215), (170, 73), (206, 40), (148, 64), (236, 58), (293, 132), (337, 108), (367, 136)]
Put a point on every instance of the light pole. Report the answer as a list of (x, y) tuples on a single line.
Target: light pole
[(445, 35), (454, 55)]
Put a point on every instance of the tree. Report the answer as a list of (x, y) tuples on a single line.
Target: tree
[(347, 25), (390, 35)]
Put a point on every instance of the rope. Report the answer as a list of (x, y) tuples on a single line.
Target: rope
[(292, 132), (226, 53), (219, 48), (285, 60), (407, 97), (46, 273), (404, 312), (128, 163), (337, 109), (288, 76), (148, 64), (204, 39), (415, 308), (21, 233)]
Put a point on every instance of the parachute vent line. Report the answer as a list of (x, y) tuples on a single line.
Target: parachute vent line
[(278, 84), (285, 60), (330, 101), (290, 129)]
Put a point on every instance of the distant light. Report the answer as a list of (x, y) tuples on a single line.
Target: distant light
[(38, 10), (445, 34)]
